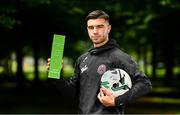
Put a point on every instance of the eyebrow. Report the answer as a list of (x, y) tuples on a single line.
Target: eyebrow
[(97, 25)]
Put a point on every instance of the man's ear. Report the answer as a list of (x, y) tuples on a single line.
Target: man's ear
[(109, 29)]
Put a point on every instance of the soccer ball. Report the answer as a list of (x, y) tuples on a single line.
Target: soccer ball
[(117, 81)]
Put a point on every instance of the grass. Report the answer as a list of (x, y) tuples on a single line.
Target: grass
[(160, 100)]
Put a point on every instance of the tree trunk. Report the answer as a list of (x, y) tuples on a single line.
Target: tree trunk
[(36, 72), (145, 59), (19, 73), (168, 59), (154, 61)]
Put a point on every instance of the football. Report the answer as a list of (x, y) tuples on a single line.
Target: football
[(117, 81)]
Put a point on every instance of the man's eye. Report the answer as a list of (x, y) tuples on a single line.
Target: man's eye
[(97, 27), (90, 27), (100, 26)]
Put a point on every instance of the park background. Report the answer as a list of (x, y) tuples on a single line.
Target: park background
[(146, 29)]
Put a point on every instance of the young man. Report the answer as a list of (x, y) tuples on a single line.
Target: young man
[(89, 68)]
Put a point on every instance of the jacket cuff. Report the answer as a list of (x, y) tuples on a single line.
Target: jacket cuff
[(121, 100)]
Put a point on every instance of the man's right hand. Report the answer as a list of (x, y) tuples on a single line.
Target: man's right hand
[(49, 62)]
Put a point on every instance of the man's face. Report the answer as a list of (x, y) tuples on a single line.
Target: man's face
[(98, 30)]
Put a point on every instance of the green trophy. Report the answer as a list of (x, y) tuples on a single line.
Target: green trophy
[(56, 56)]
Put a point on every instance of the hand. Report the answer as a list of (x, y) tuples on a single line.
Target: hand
[(106, 97), (49, 62)]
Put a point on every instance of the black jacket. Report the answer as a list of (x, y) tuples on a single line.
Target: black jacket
[(88, 71)]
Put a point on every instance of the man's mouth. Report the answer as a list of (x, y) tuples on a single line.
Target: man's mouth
[(96, 37)]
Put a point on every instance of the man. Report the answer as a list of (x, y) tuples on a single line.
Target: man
[(89, 68)]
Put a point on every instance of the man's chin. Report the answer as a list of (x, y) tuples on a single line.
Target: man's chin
[(95, 41)]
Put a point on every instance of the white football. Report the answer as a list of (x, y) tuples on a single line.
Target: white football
[(117, 81)]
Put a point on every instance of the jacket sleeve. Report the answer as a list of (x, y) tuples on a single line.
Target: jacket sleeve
[(141, 84), (67, 86)]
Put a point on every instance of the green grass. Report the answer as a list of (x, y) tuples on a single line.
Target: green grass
[(164, 89), (160, 100)]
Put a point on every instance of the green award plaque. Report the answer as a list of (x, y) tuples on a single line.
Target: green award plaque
[(56, 56)]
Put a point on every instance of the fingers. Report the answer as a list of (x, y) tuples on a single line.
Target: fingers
[(106, 92), (99, 96), (48, 64), (106, 97), (62, 64), (102, 94)]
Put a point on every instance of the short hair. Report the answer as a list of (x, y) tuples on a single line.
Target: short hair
[(97, 14)]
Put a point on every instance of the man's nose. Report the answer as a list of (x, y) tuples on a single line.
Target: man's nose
[(95, 30)]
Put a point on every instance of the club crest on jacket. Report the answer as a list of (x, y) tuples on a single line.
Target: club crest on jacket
[(101, 69)]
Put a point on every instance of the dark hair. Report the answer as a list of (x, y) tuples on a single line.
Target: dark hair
[(97, 14)]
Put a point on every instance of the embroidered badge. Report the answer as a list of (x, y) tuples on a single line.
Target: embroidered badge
[(101, 69)]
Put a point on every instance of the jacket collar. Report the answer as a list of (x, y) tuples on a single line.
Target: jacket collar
[(109, 45)]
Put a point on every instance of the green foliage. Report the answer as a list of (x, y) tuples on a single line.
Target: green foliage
[(137, 25), (6, 16), (35, 3)]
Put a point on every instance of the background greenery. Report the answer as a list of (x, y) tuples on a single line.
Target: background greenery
[(146, 29)]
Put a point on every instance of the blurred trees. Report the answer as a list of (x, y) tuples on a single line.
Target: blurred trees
[(143, 27)]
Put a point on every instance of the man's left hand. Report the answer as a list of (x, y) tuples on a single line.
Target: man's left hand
[(106, 97)]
